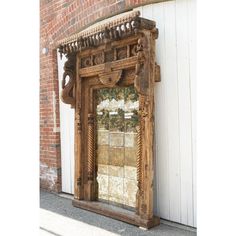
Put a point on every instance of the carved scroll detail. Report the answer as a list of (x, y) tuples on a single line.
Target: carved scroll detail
[(99, 58), (121, 53), (68, 94)]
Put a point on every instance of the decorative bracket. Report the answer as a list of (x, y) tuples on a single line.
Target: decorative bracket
[(68, 89)]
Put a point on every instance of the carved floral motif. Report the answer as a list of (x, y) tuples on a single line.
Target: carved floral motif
[(86, 62), (121, 53), (98, 58)]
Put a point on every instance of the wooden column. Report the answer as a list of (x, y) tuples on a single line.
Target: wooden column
[(78, 186), (90, 186)]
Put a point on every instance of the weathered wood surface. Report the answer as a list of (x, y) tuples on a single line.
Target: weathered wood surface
[(130, 60), (116, 213)]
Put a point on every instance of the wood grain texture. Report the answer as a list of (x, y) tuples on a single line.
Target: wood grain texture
[(164, 205), (129, 61)]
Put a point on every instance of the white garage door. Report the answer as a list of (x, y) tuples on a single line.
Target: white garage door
[(67, 137), (175, 188)]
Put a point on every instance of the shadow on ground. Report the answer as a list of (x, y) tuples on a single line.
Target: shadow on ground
[(63, 206)]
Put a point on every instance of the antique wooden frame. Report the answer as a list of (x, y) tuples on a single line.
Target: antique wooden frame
[(117, 53)]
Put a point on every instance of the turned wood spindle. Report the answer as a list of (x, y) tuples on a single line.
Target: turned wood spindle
[(90, 145)]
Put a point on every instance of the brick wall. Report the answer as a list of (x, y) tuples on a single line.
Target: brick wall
[(59, 19)]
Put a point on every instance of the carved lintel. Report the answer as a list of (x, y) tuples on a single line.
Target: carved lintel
[(68, 93), (110, 79)]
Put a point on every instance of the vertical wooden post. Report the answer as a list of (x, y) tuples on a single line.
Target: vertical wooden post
[(144, 81), (78, 186), (78, 193), (90, 189)]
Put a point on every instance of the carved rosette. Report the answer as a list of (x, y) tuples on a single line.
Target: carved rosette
[(98, 59)]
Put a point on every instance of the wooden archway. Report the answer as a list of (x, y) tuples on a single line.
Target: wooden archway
[(116, 54)]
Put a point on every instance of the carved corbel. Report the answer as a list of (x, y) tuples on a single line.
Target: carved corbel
[(68, 93)]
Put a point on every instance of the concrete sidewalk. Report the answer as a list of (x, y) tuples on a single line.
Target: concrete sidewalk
[(58, 217)]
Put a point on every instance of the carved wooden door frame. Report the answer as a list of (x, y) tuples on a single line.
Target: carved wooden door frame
[(118, 53)]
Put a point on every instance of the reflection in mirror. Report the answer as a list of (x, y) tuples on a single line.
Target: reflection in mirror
[(117, 121)]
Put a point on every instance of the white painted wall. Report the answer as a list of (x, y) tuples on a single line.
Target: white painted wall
[(175, 187), (67, 137)]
